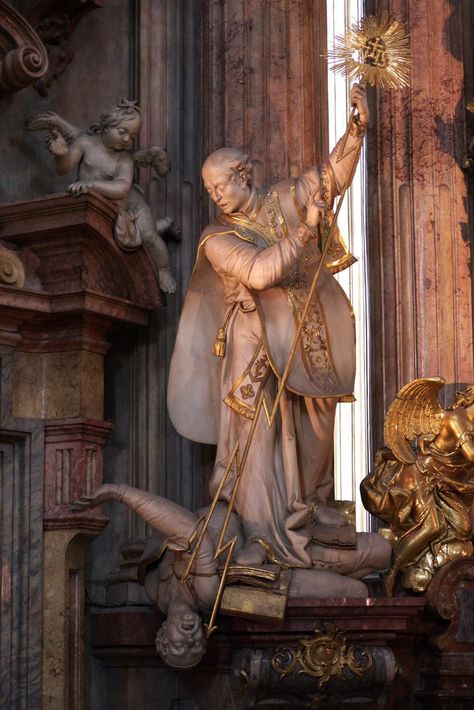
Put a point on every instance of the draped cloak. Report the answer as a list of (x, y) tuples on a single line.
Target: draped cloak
[(253, 280)]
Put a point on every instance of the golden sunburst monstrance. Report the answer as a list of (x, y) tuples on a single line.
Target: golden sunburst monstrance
[(375, 51)]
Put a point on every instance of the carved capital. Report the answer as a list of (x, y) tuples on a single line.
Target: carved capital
[(23, 56)]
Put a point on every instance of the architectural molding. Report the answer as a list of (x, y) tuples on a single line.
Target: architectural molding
[(23, 56)]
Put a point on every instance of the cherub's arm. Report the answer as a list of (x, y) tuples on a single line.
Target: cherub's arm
[(463, 434), (66, 156), (65, 141)]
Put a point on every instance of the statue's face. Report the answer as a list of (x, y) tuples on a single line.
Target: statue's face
[(229, 190), (121, 136), (185, 637)]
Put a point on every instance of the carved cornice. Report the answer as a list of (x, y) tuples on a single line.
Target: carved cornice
[(23, 56), (85, 284)]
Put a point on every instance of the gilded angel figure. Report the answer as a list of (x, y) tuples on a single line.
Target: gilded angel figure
[(424, 494)]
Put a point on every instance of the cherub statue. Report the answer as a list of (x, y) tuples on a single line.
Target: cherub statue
[(106, 164), (424, 495), (185, 601)]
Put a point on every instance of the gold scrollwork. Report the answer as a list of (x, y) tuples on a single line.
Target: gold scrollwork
[(323, 657)]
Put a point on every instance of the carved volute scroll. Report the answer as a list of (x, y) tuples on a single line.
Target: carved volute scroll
[(23, 56), (55, 22), (12, 271)]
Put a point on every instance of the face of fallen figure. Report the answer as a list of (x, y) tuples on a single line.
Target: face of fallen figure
[(180, 640)]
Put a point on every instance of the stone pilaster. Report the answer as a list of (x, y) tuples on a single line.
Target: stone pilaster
[(420, 240)]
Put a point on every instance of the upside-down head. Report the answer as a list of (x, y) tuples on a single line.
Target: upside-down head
[(180, 640)]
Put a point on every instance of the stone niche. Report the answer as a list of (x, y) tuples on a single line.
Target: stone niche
[(64, 286)]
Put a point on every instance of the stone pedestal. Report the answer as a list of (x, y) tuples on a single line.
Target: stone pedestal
[(384, 653), (78, 287), (240, 667)]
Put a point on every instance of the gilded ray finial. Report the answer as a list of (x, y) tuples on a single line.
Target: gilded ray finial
[(375, 51)]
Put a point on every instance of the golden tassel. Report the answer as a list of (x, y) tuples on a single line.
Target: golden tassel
[(219, 346), (347, 398)]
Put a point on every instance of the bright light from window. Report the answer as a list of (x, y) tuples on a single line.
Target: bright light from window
[(352, 432)]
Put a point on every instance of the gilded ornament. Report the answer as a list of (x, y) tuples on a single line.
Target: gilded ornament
[(323, 657), (424, 492), (247, 392), (374, 50)]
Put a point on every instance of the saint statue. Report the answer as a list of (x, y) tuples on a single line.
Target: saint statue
[(254, 267), (272, 479)]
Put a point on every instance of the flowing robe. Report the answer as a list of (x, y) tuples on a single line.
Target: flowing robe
[(252, 278)]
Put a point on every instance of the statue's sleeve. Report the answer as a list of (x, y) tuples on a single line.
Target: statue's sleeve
[(255, 267), (326, 181)]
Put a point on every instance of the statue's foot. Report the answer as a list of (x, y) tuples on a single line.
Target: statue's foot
[(326, 515), (167, 281), (102, 494), (252, 555)]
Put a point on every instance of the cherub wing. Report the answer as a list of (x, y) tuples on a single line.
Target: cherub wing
[(154, 157), (50, 121), (415, 410)]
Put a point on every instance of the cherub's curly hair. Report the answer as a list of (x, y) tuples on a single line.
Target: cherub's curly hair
[(464, 398), (110, 117), (236, 162)]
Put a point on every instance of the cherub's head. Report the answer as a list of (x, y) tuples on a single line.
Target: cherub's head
[(464, 398), (227, 175), (180, 640), (119, 125)]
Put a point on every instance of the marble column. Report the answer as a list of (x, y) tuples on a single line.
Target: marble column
[(21, 553), (420, 239)]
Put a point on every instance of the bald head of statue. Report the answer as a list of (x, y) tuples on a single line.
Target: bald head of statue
[(227, 176)]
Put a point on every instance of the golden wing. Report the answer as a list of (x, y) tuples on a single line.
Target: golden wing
[(415, 410)]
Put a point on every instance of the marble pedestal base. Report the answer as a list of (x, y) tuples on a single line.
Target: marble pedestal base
[(238, 671)]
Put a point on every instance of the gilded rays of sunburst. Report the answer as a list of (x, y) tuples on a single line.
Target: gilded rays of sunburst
[(374, 51)]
